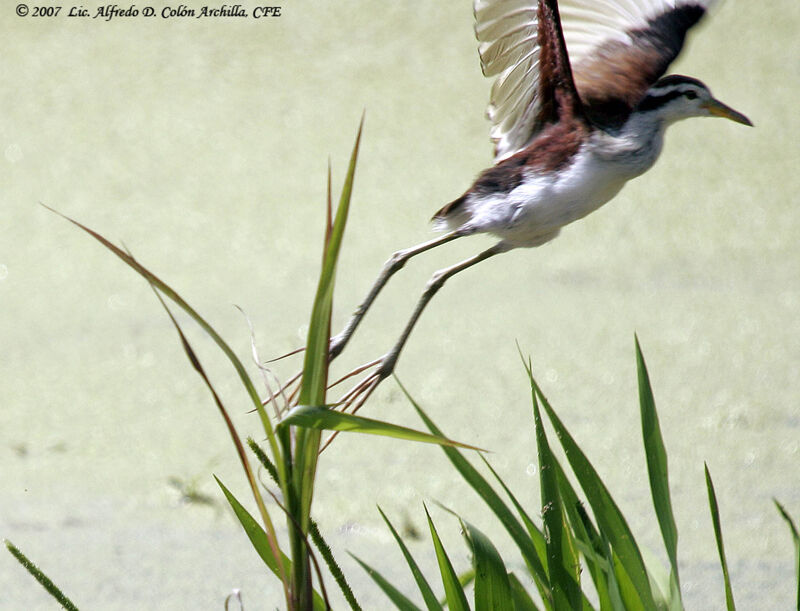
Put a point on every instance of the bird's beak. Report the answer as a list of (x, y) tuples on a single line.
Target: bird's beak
[(718, 109)]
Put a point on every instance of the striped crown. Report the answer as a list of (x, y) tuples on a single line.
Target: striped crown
[(671, 88)]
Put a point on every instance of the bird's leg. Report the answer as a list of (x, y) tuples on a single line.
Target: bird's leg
[(431, 288), (394, 264), (389, 360)]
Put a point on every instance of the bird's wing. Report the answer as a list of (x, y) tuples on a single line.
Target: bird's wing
[(556, 93), (617, 49)]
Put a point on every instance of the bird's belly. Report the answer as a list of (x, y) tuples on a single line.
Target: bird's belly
[(536, 210)]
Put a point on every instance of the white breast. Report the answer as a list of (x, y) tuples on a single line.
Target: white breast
[(534, 212)]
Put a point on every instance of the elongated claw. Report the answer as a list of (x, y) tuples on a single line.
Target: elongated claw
[(288, 354), (282, 391), (354, 398)]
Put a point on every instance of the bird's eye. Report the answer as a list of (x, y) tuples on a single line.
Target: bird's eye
[(691, 95)]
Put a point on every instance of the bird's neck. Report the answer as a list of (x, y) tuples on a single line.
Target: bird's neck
[(636, 145)]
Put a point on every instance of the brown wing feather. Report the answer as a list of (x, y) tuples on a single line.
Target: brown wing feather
[(558, 95), (616, 77)]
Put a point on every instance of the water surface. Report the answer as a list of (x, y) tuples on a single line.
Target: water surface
[(202, 144)]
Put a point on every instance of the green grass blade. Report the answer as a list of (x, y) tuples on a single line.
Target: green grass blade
[(259, 541), (424, 587), (313, 385), (467, 577), (534, 532), (522, 600), (324, 419), (164, 289), (712, 502), (398, 599), (587, 540), (796, 540), (254, 531), (169, 292), (453, 590), (614, 599), (316, 536), (237, 442), (315, 368), (39, 576), (562, 562), (662, 583), (657, 468), (602, 573), (492, 587), (609, 518), (314, 382), (790, 523), (494, 502), (629, 598)]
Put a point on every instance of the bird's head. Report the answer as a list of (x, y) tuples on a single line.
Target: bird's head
[(678, 97)]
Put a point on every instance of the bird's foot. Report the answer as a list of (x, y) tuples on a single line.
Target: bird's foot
[(291, 388), (354, 398)]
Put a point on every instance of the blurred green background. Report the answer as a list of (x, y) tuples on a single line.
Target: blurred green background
[(202, 144)]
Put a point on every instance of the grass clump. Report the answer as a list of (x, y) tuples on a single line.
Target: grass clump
[(581, 555), (293, 433)]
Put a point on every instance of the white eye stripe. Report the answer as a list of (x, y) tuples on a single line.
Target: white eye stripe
[(659, 97), (671, 90)]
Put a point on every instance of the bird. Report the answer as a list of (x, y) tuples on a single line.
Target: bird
[(579, 107)]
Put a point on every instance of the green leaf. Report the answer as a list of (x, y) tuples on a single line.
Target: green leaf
[(164, 289), (453, 591), (494, 502), (606, 563), (796, 539), (522, 600), (712, 502), (657, 466), (316, 536), (169, 292), (424, 587), (662, 583), (39, 576), (629, 598), (397, 597), (258, 538), (535, 534), (315, 367), (313, 384), (237, 442), (325, 419), (587, 540), (562, 561), (492, 587), (609, 518), (254, 532), (467, 577)]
